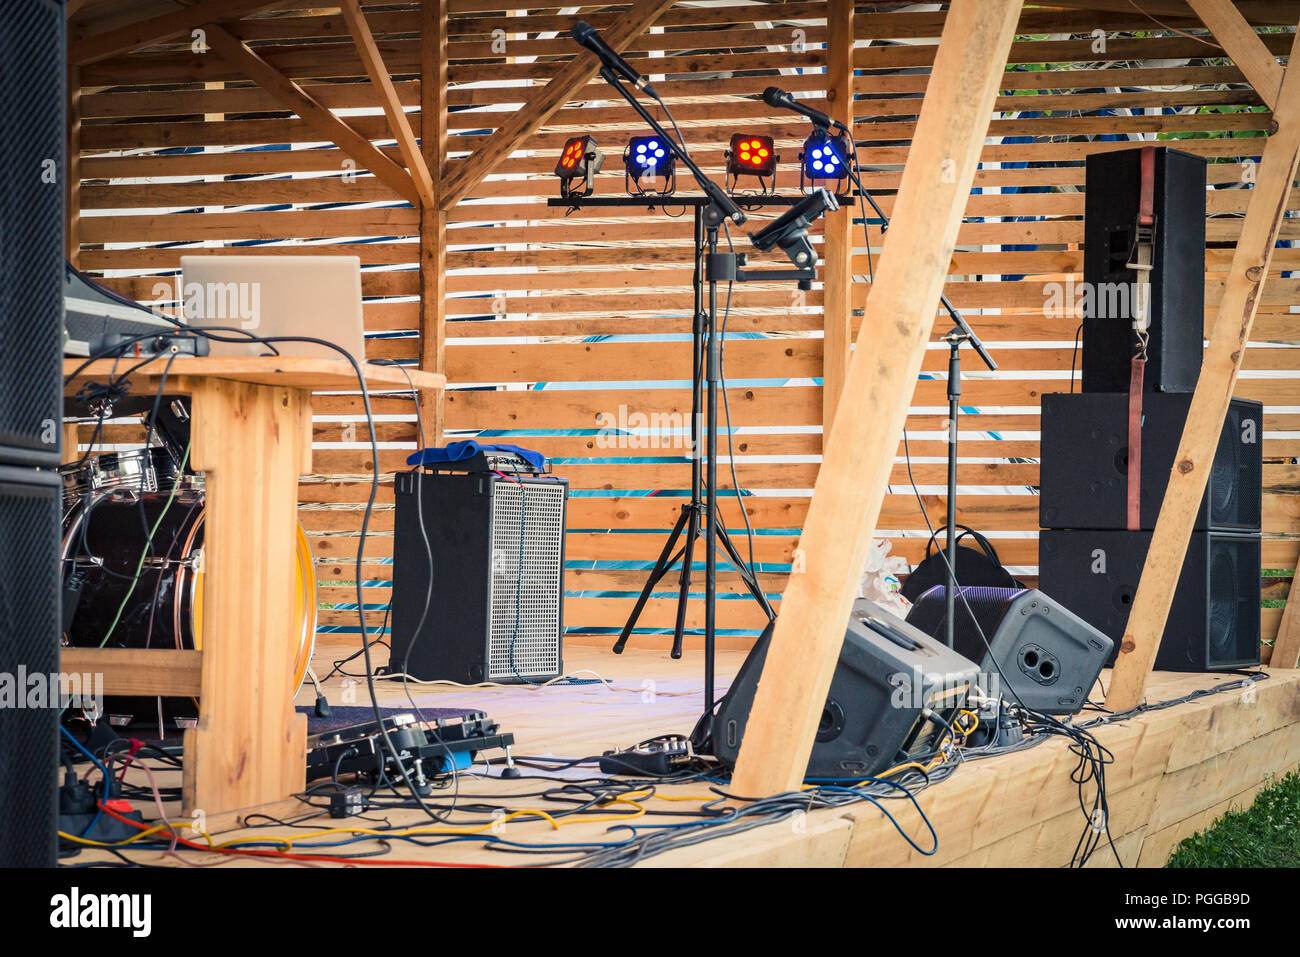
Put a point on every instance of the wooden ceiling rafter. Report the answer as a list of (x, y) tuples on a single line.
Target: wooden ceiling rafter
[(570, 78), (156, 29), (382, 81), (312, 112), (1240, 41)]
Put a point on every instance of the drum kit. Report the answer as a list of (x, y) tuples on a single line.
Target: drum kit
[(132, 558)]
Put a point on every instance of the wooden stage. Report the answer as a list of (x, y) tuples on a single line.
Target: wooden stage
[(1174, 771)]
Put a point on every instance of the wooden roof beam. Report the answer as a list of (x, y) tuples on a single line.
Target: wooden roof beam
[(380, 78), (883, 368), (166, 26), (238, 54), (1240, 41), (571, 78), (1209, 408)]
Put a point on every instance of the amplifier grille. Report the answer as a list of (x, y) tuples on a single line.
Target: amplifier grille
[(527, 552), (29, 639)]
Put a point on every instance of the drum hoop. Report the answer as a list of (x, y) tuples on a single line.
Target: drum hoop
[(187, 579)]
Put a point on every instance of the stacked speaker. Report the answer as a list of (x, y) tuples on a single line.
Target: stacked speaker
[(32, 137), (1091, 553)]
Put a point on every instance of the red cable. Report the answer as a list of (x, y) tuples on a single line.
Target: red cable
[(249, 852), (136, 745)]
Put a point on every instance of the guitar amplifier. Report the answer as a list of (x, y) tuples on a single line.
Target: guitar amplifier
[(478, 577)]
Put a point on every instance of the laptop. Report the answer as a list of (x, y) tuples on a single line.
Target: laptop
[(313, 296)]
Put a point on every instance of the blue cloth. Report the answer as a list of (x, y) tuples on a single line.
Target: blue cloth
[(460, 451)]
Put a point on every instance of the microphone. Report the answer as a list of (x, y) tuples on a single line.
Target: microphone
[(587, 36), (779, 99)]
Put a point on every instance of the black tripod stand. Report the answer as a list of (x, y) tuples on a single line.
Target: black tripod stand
[(698, 515)]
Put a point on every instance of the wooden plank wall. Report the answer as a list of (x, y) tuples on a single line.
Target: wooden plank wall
[(565, 324)]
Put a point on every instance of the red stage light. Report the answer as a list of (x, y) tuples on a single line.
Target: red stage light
[(755, 155)]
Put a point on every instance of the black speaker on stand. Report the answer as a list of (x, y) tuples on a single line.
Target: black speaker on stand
[(33, 95)]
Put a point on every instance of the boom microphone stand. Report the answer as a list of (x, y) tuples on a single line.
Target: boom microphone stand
[(960, 333)]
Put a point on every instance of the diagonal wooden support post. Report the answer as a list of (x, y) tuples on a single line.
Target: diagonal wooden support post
[(571, 78), (312, 112), (859, 451), (1286, 647), (837, 300), (1240, 41), (1219, 369), (383, 83)]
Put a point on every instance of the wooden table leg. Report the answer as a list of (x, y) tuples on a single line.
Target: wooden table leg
[(249, 748)]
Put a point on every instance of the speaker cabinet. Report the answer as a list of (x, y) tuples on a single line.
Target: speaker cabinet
[(29, 646), (495, 590), (32, 138), (1084, 471), (1044, 656), (888, 671), (1177, 306), (1214, 620)]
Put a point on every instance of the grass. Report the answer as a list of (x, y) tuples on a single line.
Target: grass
[(1267, 834)]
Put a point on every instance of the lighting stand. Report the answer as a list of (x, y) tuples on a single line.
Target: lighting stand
[(711, 267)]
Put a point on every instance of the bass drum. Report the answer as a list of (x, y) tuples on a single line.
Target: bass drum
[(161, 606)]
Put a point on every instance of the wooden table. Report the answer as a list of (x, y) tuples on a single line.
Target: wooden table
[(252, 437)]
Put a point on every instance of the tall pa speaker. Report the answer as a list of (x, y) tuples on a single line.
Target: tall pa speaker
[(1044, 656), (32, 138), (1084, 470), (1177, 306), (29, 652), (478, 577), (889, 672), (1213, 622), (32, 112)]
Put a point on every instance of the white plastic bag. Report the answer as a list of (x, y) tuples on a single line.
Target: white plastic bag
[(880, 578)]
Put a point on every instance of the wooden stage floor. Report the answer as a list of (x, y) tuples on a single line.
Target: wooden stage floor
[(1174, 771)]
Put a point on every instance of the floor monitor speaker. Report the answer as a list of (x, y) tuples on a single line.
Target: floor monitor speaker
[(888, 674)]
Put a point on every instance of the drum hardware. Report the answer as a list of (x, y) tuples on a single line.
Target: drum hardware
[(157, 601)]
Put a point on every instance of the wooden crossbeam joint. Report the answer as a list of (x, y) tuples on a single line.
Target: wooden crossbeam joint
[(1240, 41), (398, 123), (568, 80)]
